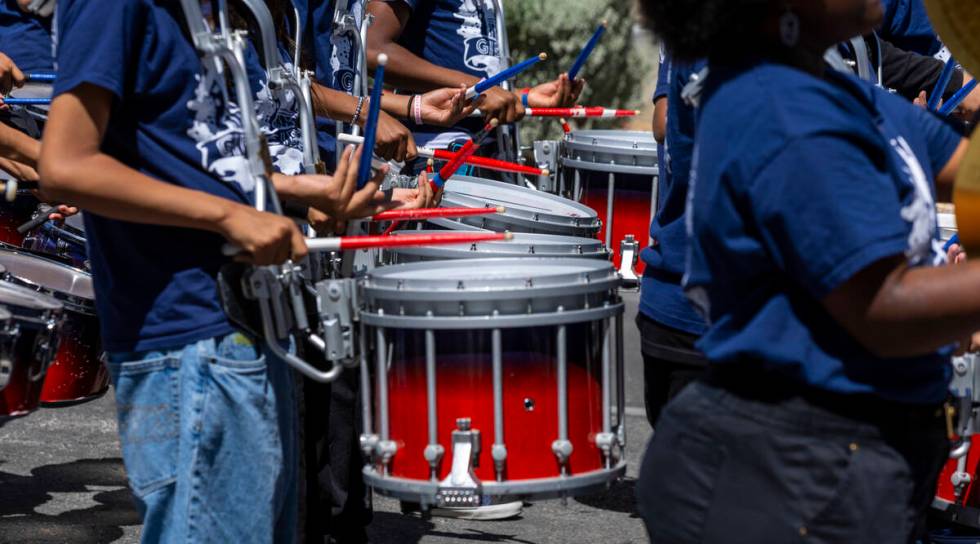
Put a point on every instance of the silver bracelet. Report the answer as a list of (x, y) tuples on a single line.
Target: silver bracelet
[(357, 110)]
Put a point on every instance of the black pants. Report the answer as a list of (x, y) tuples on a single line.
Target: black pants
[(337, 503), (777, 465), (670, 362)]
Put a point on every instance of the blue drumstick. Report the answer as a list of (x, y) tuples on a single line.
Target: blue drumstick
[(492, 81), (371, 124), (586, 51), (11, 101), (41, 77), (940, 90), (957, 98)]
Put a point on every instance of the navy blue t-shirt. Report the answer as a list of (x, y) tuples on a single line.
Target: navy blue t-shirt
[(662, 298), (25, 38), (172, 119), (907, 26), (460, 35), (800, 184)]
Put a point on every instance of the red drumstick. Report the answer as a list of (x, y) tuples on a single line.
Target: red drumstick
[(565, 126), (597, 112), (493, 164), (376, 242), (432, 213), (471, 146)]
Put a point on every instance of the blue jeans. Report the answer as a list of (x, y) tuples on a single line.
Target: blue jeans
[(209, 440)]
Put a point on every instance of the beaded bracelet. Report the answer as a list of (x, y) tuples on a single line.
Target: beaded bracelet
[(357, 110)]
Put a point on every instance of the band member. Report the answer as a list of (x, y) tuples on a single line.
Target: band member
[(445, 43), (906, 25), (812, 236), (669, 325), (144, 135)]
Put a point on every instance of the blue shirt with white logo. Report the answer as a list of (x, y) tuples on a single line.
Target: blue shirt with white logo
[(25, 38), (172, 120), (662, 298), (800, 184)]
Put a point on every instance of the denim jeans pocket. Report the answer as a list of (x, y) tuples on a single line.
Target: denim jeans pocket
[(237, 353), (148, 410)]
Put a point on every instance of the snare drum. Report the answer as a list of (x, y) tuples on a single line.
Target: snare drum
[(29, 335), (64, 241), (522, 245), (78, 373), (527, 210), (493, 378), (615, 173)]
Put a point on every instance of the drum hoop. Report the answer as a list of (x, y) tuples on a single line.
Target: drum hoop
[(440, 253), (540, 488), (509, 321), (608, 168), (605, 148), (525, 217), (589, 217)]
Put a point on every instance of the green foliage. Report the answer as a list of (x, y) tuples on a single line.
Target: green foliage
[(616, 72)]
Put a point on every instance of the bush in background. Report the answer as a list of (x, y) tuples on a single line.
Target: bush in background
[(616, 73)]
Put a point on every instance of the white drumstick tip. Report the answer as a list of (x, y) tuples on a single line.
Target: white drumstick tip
[(508, 236), (494, 123), (10, 190), (382, 59), (545, 172), (501, 209), (543, 56)]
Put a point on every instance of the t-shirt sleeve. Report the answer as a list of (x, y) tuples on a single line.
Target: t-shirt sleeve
[(941, 138), (97, 40), (825, 212), (663, 77)]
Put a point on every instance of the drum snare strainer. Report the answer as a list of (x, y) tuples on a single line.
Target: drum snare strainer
[(509, 367)]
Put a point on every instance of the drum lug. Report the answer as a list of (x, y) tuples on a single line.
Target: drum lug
[(499, 454), (605, 442), (433, 454), (369, 444), (46, 347), (462, 487), (546, 157), (562, 450), (629, 252), (337, 309), (385, 451), (8, 340)]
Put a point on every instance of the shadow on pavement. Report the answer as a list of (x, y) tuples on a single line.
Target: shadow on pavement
[(75, 486), (620, 497), (394, 528)]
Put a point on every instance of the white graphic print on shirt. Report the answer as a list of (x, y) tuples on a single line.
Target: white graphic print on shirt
[(478, 28), (343, 55), (217, 131), (920, 212)]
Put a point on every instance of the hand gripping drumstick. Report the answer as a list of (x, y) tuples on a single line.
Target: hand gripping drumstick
[(586, 51), (958, 98), (433, 213), (469, 148), (485, 84), (350, 243), (593, 112), (371, 124), (445, 155)]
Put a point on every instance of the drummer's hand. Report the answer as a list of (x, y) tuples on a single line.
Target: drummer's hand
[(414, 199), (62, 211), (323, 224), (10, 75), (446, 107), (367, 201), (922, 100), (497, 103), (956, 254), (971, 104), (560, 93), (394, 141), (264, 238)]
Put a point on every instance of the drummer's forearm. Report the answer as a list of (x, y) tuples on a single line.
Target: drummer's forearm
[(74, 169), (17, 146)]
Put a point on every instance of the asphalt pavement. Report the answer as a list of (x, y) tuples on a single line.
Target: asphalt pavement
[(62, 480)]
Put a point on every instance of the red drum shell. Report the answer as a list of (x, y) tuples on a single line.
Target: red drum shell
[(78, 373), (28, 310), (465, 390), (631, 210)]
